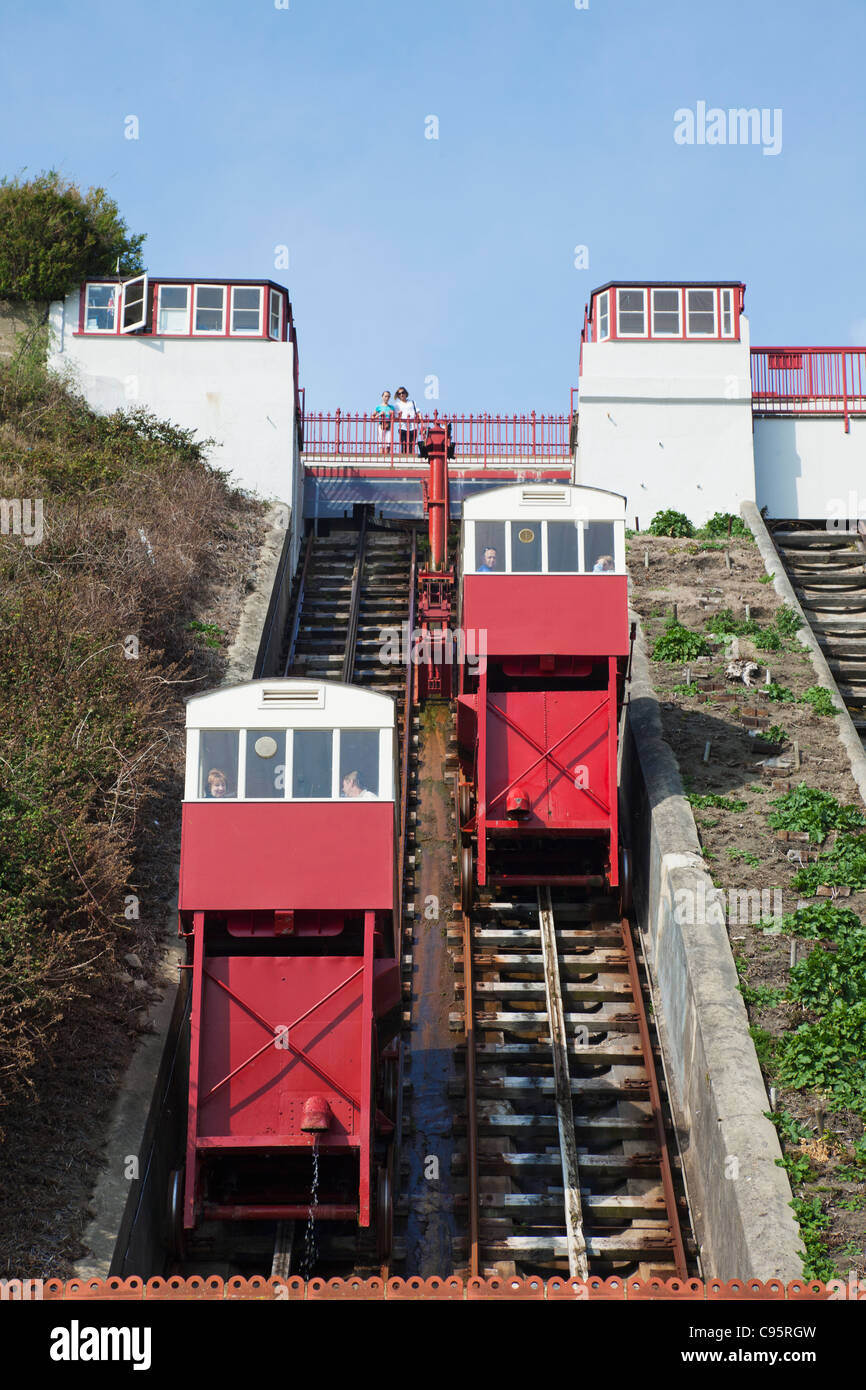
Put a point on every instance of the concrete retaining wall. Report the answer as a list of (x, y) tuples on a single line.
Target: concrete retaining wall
[(739, 1196)]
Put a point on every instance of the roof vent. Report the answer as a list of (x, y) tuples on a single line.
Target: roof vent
[(544, 497), (292, 697)]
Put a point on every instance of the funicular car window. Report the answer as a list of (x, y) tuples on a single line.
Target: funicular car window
[(562, 551), (218, 764), (265, 777), (489, 547), (526, 547), (598, 547), (312, 761), (359, 764)]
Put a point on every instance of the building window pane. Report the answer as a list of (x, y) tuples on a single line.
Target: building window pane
[(218, 764), (630, 312), (666, 312), (276, 319), (598, 547), (312, 760), (209, 308), (173, 309), (266, 764), (727, 313), (562, 554), (526, 547), (604, 316), (489, 547), (246, 311), (100, 308), (359, 764), (701, 312)]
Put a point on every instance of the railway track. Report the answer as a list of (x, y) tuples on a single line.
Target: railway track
[(354, 592), (827, 569), (570, 1155)]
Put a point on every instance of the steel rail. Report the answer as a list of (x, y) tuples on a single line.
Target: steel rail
[(471, 1095), (348, 668), (405, 751), (655, 1103), (299, 604), (578, 1266)]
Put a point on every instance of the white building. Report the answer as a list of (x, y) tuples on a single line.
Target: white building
[(676, 409), (216, 356)]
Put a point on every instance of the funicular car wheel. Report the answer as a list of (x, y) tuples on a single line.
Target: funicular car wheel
[(467, 878), (464, 803), (175, 1213), (625, 897), (385, 1206)]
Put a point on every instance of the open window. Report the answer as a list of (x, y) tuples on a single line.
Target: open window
[(133, 304), (275, 321)]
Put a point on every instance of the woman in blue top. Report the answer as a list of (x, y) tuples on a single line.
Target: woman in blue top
[(384, 413)]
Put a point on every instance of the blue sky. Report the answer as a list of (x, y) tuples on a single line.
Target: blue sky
[(412, 257)]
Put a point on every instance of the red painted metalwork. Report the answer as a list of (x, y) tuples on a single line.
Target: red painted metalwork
[(345, 436), (540, 614), (295, 996), (809, 381), (199, 1288), (537, 724), (287, 843), (436, 584)]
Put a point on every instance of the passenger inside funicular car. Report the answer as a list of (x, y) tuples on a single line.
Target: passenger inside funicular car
[(531, 546)]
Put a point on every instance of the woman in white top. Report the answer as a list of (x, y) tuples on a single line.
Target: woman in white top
[(407, 414)]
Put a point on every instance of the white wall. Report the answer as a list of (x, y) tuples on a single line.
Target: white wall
[(236, 391), (668, 424), (810, 467)]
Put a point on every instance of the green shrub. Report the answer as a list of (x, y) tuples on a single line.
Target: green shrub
[(826, 975), (829, 1054), (671, 523), (788, 621), (52, 235), (678, 643), (779, 693), (718, 525), (813, 1221), (724, 803), (814, 811), (820, 699), (845, 863), (824, 919)]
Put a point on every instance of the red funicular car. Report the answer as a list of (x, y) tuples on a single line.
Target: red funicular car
[(544, 595), (287, 902)]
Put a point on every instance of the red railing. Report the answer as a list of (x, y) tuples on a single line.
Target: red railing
[(809, 381), (478, 439)]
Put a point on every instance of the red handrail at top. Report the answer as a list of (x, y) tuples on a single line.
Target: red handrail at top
[(809, 381), (476, 438)]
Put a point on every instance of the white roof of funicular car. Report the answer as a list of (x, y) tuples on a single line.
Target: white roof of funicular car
[(545, 501), (290, 703)]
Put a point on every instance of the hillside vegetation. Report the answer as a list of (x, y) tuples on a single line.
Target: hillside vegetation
[(97, 651)]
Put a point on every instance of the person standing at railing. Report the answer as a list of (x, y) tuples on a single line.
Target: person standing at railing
[(384, 414), (407, 413)]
